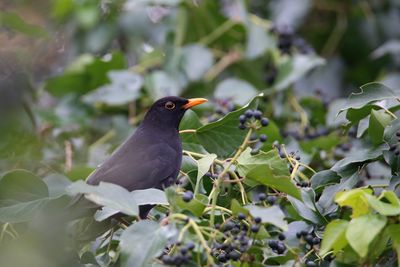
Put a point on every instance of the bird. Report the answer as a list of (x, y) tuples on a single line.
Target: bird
[(151, 157)]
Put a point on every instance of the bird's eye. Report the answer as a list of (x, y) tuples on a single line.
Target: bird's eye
[(169, 105)]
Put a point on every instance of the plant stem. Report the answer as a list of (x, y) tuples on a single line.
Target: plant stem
[(217, 183)]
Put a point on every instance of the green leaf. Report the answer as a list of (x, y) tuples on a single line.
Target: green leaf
[(323, 178), (142, 242), (388, 209), (334, 237), (273, 215), (390, 132), (223, 136), (196, 206), (204, 165), (294, 68), (86, 73), (238, 91), (106, 194), (259, 40), (16, 23), (359, 105), (362, 230), (236, 208), (22, 196), (321, 143), (358, 156), (160, 84), (197, 60), (23, 186), (267, 168), (124, 88), (394, 232), (356, 199), (377, 123)]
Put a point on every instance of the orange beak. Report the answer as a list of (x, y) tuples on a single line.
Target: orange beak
[(194, 102)]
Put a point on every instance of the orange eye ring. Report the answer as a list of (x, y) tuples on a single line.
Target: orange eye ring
[(169, 105)]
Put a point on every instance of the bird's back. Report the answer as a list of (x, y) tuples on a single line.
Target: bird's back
[(150, 158)]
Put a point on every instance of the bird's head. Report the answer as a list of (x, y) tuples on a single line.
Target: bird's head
[(168, 111)]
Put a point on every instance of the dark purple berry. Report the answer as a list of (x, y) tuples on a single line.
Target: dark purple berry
[(222, 258), (234, 255), (262, 196), (228, 226), (242, 119), (310, 264), (255, 228), (271, 200), (264, 122), (257, 220), (309, 239), (187, 196), (242, 126), (257, 114), (281, 237), (392, 147), (190, 245), (263, 138), (273, 244), (316, 240), (280, 248), (241, 216), (249, 113)]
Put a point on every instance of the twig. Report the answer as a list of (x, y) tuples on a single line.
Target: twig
[(222, 64), (68, 156)]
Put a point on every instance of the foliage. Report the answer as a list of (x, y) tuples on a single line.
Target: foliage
[(272, 173)]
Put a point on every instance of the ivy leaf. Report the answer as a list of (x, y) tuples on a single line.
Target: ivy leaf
[(293, 69), (204, 165), (273, 215), (377, 123), (197, 60), (359, 105), (106, 194), (269, 169), (124, 88), (22, 196), (334, 237), (394, 231), (388, 209), (358, 156), (143, 241), (238, 91), (356, 199), (223, 136), (196, 206), (362, 230)]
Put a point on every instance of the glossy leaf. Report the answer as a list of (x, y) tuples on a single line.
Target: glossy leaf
[(334, 237)]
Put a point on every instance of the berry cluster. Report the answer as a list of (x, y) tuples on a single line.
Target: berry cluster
[(181, 257), (187, 196), (395, 147), (288, 40), (245, 120), (311, 240)]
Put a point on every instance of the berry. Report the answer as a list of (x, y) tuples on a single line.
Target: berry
[(280, 248), (262, 196), (249, 113), (255, 228), (264, 122), (241, 216), (257, 114), (183, 251), (242, 126), (228, 226), (273, 244), (263, 138), (271, 200), (316, 240), (298, 235), (235, 230), (309, 239), (242, 119), (397, 152), (392, 147), (310, 264), (217, 226), (167, 259), (281, 237), (254, 151), (257, 220), (187, 196), (297, 157), (190, 246), (398, 134), (222, 258), (234, 255), (253, 137)]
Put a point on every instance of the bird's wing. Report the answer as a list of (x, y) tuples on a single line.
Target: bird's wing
[(140, 167)]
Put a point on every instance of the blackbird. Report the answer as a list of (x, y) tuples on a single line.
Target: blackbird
[(152, 156)]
